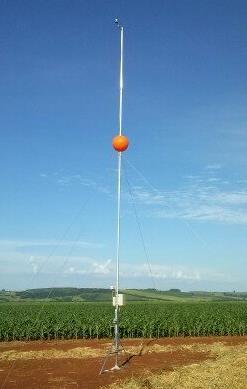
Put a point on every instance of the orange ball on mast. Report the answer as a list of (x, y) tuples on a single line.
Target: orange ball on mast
[(120, 143)]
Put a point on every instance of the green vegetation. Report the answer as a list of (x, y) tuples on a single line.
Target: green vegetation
[(62, 295), (69, 294), (50, 320), (177, 296), (69, 313), (93, 294)]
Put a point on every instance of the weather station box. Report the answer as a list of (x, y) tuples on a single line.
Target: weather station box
[(121, 300)]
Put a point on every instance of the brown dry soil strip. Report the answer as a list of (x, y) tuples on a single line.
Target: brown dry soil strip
[(52, 368), (226, 371)]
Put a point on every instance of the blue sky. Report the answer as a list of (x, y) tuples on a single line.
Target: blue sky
[(184, 112)]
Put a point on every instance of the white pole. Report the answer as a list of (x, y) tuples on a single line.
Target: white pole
[(116, 320), (116, 342), (121, 81), (119, 160)]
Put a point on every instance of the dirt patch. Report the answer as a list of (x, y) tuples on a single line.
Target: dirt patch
[(226, 371), (70, 370)]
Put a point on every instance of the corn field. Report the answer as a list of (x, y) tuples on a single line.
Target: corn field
[(30, 321)]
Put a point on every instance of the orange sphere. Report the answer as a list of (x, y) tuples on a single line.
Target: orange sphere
[(120, 143)]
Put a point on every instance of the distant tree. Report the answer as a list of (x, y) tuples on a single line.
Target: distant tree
[(175, 290)]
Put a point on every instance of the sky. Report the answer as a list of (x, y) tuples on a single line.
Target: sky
[(184, 183)]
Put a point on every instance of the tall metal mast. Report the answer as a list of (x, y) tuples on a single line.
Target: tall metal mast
[(120, 144), (116, 320)]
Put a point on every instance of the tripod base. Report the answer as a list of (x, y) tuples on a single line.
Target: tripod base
[(119, 359)]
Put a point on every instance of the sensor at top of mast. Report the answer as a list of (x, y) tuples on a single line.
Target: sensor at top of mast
[(117, 23)]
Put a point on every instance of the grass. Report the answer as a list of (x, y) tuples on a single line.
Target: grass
[(77, 352), (226, 371)]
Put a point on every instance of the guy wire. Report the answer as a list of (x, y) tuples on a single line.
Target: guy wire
[(185, 222), (146, 252), (59, 242)]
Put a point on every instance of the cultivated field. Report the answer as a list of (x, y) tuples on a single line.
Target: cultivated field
[(167, 345), (40, 321)]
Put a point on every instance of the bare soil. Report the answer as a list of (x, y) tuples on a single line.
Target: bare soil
[(83, 373)]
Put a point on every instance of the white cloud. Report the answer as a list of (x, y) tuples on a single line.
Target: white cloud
[(92, 268), (47, 243), (162, 272), (213, 179), (68, 180), (30, 258), (237, 198), (102, 268), (18, 268), (175, 273), (214, 166), (144, 271), (200, 198), (33, 264)]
